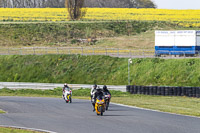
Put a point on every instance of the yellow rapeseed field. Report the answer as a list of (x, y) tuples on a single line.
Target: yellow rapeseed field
[(182, 17)]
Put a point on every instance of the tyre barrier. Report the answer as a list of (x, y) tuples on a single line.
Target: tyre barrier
[(164, 90)]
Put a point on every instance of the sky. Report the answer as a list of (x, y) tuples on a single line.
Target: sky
[(177, 4)]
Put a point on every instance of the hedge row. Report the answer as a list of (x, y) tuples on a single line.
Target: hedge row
[(164, 91)]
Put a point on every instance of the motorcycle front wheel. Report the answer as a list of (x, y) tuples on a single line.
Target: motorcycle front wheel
[(70, 99), (107, 105), (101, 109)]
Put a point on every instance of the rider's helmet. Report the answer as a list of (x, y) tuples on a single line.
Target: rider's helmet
[(95, 86), (104, 88), (65, 85), (99, 89)]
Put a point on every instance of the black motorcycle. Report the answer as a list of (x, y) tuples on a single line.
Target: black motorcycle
[(107, 99)]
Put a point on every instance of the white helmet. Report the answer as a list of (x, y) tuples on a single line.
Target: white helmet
[(65, 84)]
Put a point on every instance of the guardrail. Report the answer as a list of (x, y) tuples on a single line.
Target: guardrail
[(164, 91), (45, 86), (115, 52), (77, 50)]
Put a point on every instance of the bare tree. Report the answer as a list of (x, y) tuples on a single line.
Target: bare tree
[(75, 9)]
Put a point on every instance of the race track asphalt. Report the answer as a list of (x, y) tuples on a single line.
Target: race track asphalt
[(55, 115)]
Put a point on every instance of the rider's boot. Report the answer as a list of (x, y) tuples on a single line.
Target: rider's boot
[(93, 106)]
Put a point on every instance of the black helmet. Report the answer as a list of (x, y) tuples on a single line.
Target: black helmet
[(95, 86), (99, 89), (104, 87)]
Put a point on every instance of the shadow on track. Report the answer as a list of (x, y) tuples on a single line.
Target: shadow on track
[(117, 115), (117, 110)]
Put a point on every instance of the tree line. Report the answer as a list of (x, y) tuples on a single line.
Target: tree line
[(87, 3), (31, 3)]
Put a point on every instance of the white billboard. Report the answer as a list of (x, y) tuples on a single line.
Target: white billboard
[(176, 38)]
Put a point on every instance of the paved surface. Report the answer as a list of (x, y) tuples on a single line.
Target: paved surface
[(55, 115)]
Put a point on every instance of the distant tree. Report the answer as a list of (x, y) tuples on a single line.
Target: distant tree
[(74, 8), (144, 4)]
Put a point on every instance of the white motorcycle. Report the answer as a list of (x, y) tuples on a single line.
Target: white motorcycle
[(67, 96)]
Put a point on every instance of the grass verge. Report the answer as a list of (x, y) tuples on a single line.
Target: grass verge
[(178, 105), (1, 111), (77, 69), (13, 130)]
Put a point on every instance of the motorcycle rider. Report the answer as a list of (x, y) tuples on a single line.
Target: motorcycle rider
[(105, 90), (66, 88), (107, 97), (93, 90), (99, 92)]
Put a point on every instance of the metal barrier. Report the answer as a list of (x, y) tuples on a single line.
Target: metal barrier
[(77, 50), (164, 90), (116, 52)]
